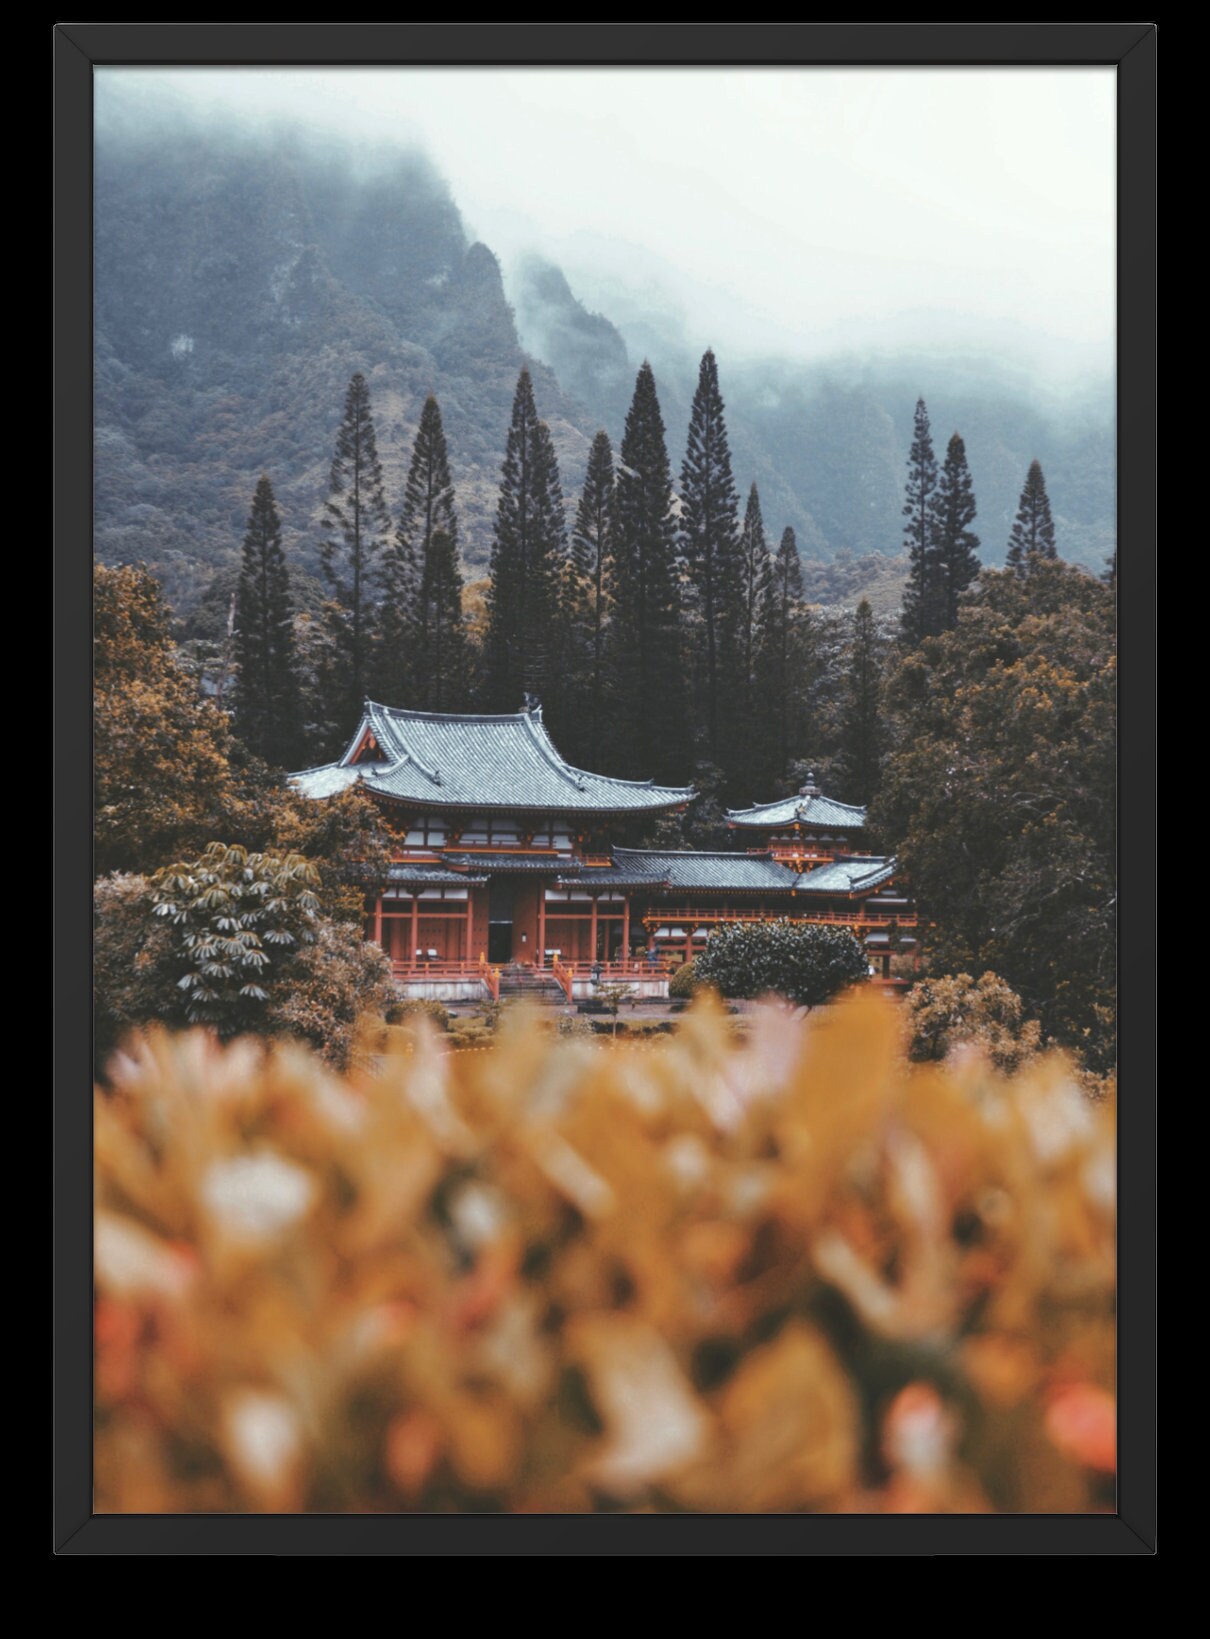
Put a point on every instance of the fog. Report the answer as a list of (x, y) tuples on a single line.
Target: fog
[(801, 213)]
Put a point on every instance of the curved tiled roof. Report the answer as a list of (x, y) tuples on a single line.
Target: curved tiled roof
[(432, 875), (756, 873), (469, 760), (738, 873), (803, 808), (856, 874)]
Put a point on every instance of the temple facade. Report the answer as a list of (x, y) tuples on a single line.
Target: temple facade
[(512, 869)]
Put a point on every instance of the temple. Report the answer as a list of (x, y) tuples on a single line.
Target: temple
[(513, 870)]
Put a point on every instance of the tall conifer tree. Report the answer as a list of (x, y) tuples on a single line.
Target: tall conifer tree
[(267, 707), (782, 662), (861, 751), (649, 738), (755, 571), (528, 552), (921, 601), (709, 540), (1033, 532), (747, 752), (422, 653), (957, 544), (592, 590), (355, 525)]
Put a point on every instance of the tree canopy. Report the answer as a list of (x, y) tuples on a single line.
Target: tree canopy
[(1000, 794), (806, 963)]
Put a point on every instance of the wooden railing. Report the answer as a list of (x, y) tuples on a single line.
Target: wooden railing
[(700, 918), (608, 973), (441, 971), (565, 974)]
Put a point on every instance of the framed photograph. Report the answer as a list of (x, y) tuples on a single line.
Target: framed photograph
[(597, 828)]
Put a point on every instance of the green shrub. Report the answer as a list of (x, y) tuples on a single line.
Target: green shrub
[(802, 961), (683, 982), (231, 941), (955, 1011), (417, 1007)]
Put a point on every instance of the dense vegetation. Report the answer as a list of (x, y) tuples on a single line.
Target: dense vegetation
[(789, 1273), (348, 389), (983, 730)]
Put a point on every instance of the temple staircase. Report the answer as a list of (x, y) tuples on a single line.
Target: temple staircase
[(518, 982)]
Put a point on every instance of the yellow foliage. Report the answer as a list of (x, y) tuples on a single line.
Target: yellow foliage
[(790, 1272)]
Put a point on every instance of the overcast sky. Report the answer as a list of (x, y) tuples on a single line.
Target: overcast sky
[(803, 211)]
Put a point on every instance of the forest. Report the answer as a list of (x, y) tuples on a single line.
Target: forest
[(667, 634)]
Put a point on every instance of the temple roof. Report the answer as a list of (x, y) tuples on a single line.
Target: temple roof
[(734, 873), (808, 807), (854, 874), (671, 872), (468, 760), (508, 863), (432, 876)]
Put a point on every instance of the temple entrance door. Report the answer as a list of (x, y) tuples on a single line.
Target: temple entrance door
[(500, 920)]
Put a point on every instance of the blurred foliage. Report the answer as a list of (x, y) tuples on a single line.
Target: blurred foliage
[(792, 1273), (406, 1012), (805, 962)]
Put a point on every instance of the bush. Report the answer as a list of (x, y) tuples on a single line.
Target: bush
[(958, 1011), (805, 963), (416, 1007), (683, 982), (175, 950), (792, 1273)]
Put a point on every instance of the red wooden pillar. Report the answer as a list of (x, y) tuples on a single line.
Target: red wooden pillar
[(378, 921), (469, 953), (415, 926), (592, 937), (542, 923), (626, 928)]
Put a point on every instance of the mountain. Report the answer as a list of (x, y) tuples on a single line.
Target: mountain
[(237, 288), (242, 278)]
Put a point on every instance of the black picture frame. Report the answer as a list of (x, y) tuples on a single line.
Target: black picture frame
[(78, 48)]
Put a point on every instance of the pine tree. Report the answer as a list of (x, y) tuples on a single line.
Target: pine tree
[(709, 541), (355, 525), (649, 736), (422, 646), (861, 752), (267, 709), (589, 602), (1033, 531), (957, 544), (755, 570), (921, 601), (528, 553), (782, 663)]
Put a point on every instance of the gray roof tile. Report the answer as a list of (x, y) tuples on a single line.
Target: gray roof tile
[(800, 809), (432, 876), (468, 760)]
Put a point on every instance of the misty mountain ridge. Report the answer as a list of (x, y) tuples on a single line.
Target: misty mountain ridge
[(240, 282)]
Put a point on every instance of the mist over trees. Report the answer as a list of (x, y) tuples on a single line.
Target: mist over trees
[(241, 282), (439, 522)]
